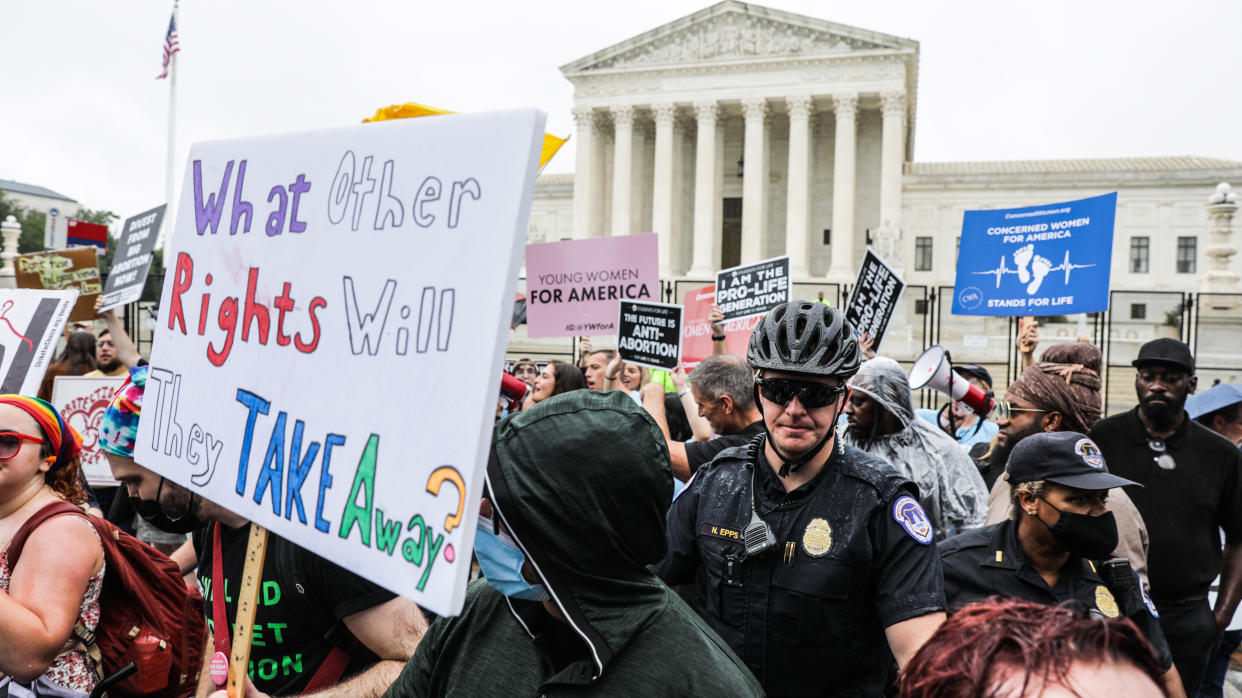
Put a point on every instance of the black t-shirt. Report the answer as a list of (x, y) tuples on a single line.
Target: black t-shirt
[(301, 604), (989, 561), (701, 452), (1183, 508)]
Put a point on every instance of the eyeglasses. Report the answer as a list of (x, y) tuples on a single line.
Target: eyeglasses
[(1162, 458), (11, 443), (1005, 410), (810, 395)]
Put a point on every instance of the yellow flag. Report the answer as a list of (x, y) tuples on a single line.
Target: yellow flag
[(551, 143)]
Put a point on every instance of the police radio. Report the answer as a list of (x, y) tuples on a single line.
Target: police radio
[(757, 537)]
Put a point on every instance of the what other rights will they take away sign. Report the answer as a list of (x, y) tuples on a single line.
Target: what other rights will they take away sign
[(324, 364)]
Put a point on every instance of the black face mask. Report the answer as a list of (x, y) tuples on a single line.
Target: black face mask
[(155, 515), (1090, 537)]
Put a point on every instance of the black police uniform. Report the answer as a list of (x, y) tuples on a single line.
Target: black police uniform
[(853, 556), (989, 561)]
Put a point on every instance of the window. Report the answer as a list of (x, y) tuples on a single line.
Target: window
[(920, 307), (1140, 252), (1138, 311), (1187, 247), (922, 254)]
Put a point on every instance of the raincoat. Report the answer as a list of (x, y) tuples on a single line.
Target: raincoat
[(582, 482), (950, 487)]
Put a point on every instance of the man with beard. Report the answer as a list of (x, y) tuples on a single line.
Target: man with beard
[(115, 353), (1192, 488), (881, 421)]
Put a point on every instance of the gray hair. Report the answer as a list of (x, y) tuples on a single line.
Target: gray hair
[(725, 374)]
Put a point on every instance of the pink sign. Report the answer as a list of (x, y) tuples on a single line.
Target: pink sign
[(574, 287), (696, 338)]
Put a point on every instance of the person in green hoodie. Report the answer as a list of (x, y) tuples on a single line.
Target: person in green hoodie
[(574, 511)]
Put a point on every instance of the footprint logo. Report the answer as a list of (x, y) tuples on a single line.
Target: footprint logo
[(1039, 269), (1023, 257)]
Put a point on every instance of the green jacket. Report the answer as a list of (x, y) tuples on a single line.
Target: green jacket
[(582, 481)]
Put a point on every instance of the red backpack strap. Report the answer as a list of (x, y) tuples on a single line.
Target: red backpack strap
[(56, 508), (329, 672)]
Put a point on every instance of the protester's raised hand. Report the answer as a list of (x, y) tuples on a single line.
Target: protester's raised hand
[(867, 344), (613, 370), (678, 376), (99, 301), (1028, 335), (584, 346), (651, 389), (716, 318)]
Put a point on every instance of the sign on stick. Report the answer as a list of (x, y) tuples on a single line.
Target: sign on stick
[(874, 297), (573, 286), (649, 334), (77, 268), (132, 261), (328, 294), (82, 401), (1038, 260), (30, 323), (753, 289)]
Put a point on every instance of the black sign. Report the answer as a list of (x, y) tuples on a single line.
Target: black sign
[(753, 289), (874, 297), (132, 260), (650, 334)]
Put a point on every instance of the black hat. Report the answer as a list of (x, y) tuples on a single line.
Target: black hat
[(1064, 458), (977, 371), (1165, 351)]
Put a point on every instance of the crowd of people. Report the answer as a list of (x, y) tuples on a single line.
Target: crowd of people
[(784, 523)]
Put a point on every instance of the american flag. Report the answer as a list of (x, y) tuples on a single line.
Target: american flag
[(171, 45)]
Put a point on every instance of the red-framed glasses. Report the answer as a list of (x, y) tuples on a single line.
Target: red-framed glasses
[(11, 443)]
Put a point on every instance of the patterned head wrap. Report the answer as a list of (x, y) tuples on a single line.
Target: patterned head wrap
[(65, 441), (1071, 389), (119, 427)]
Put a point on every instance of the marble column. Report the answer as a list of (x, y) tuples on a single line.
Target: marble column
[(843, 176), (1219, 278), (797, 216), (702, 262), (622, 173), (587, 200), (754, 186), (662, 183), (892, 158)]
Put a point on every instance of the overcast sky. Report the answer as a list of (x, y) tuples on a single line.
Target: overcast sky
[(81, 112)]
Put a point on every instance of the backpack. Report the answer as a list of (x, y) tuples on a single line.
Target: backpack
[(148, 615)]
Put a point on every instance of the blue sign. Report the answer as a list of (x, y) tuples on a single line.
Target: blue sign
[(1039, 260)]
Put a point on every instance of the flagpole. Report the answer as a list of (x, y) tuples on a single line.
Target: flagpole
[(169, 169)]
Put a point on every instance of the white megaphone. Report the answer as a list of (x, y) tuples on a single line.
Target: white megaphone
[(934, 369)]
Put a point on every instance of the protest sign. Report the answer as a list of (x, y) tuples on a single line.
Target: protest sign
[(83, 234), (696, 342), (572, 286), (132, 261), (324, 298), (1021, 261), (649, 334), (753, 289), (77, 269), (874, 297), (30, 324), (82, 401)]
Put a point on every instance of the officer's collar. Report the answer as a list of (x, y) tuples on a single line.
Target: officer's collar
[(769, 482), (1004, 551)]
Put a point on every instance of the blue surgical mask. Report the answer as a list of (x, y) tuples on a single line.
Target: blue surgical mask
[(501, 561)]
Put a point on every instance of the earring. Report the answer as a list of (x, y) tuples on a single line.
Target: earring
[(1030, 512)]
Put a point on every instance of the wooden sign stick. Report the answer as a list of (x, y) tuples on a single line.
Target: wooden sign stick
[(247, 606)]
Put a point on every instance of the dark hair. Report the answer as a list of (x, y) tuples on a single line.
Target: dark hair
[(606, 352), (1230, 413), (568, 377), (102, 333), (79, 354), (678, 425), (725, 374), (66, 481), (966, 655)]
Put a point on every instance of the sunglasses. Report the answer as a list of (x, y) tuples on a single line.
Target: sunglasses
[(1162, 457), (1005, 410), (11, 443), (810, 395)]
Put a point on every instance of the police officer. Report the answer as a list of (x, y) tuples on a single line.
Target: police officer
[(817, 557), (1057, 544)]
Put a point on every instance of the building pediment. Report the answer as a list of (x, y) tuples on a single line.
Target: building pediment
[(732, 31)]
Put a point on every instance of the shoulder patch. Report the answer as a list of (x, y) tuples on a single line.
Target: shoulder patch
[(909, 513), (1151, 605)]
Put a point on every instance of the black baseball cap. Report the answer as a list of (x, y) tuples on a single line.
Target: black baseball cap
[(1062, 457), (977, 371), (1165, 351)]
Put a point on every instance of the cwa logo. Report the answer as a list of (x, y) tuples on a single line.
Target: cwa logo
[(970, 297)]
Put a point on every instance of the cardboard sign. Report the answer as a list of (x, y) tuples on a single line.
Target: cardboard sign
[(30, 325), (77, 269), (874, 297), (753, 289), (649, 334), (1027, 261), (82, 401), (324, 291), (696, 343), (573, 286), (132, 262)]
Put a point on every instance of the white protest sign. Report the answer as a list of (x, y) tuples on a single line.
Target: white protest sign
[(31, 321), (82, 402), (331, 329)]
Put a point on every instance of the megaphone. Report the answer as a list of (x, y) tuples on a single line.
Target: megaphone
[(512, 389), (934, 369)]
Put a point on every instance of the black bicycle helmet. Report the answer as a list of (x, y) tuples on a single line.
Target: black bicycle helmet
[(805, 337)]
